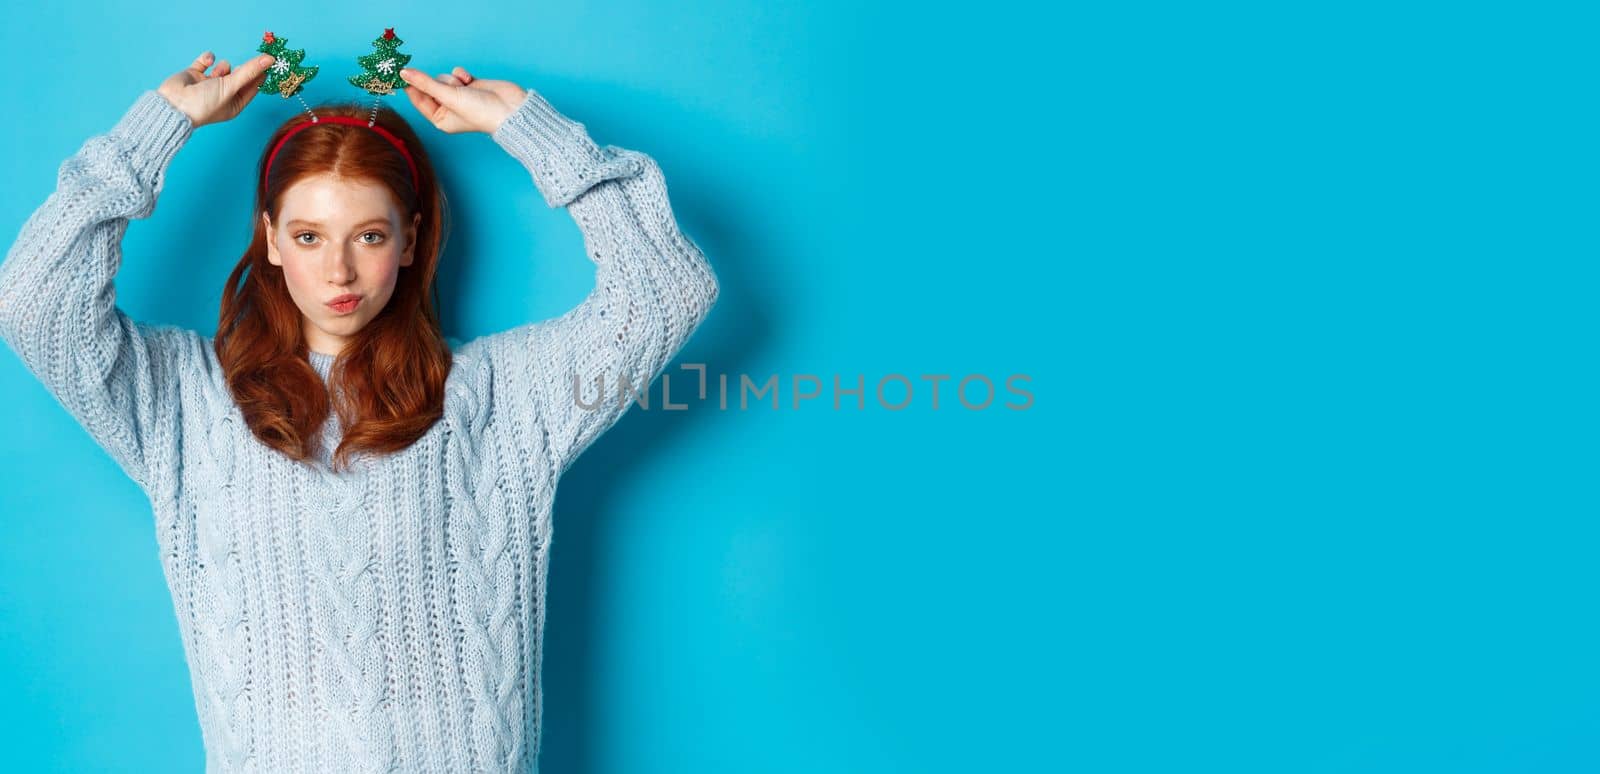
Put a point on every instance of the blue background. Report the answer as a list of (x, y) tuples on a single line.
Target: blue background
[(1305, 295)]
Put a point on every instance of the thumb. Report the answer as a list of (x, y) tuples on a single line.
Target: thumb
[(443, 93), (248, 72)]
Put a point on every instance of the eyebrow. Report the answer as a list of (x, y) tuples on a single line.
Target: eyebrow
[(313, 224)]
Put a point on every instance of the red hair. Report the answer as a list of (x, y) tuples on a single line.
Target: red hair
[(392, 372)]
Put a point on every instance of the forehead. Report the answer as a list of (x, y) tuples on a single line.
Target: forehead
[(329, 199)]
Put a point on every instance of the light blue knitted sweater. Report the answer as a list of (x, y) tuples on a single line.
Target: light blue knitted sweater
[(387, 619)]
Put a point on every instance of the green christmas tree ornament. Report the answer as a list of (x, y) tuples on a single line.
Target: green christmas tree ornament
[(285, 76), (380, 70)]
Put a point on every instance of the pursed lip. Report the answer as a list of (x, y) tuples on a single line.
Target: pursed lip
[(348, 297)]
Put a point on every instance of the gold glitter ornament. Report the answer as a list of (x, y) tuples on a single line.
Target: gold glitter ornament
[(291, 83)]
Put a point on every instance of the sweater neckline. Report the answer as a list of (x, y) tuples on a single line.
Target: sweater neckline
[(322, 363)]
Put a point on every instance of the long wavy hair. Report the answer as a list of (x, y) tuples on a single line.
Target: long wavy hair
[(388, 385)]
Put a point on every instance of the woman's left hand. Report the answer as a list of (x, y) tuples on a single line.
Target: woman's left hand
[(457, 102)]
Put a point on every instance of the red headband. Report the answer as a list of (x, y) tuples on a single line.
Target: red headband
[(385, 133)]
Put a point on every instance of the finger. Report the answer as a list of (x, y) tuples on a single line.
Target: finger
[(449, 79), (201, 62), (442, 93), (236, 102), (243, 98), (222, 68), (426, 105), (462, 74), (248, 72)]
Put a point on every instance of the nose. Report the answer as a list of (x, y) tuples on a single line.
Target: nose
[(340, 267)]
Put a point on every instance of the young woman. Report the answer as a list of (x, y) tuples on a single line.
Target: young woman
[(353, 520)]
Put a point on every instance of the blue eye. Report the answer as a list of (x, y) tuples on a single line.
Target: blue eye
[(379, 234)]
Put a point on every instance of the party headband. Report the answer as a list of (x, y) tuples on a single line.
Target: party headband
[(380, 75)]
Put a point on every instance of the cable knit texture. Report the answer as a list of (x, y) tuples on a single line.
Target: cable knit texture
[(389, 618)]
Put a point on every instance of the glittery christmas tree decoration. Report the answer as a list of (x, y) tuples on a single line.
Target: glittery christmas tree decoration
[(285, 76), (380, 70)]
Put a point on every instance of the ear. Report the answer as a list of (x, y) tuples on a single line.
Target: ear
[(411, 240), (272, 244)]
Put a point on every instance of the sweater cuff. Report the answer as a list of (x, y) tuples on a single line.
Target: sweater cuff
[(564, 160), (151, 131)]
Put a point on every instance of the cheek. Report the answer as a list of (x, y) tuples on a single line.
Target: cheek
[(386, 268), (297, 274), (301, 276)]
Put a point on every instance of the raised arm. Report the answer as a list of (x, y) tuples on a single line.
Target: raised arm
[(653, 286), (58, 307)]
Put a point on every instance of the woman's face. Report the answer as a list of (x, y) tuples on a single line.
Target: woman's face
[(336, 238)]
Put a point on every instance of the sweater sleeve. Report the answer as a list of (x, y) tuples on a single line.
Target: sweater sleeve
[(653, 286), (58, 309)]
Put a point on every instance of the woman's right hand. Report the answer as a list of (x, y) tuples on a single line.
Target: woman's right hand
[(217, 96)]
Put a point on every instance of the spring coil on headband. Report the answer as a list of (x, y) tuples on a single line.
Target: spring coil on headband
[(398, 144)]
